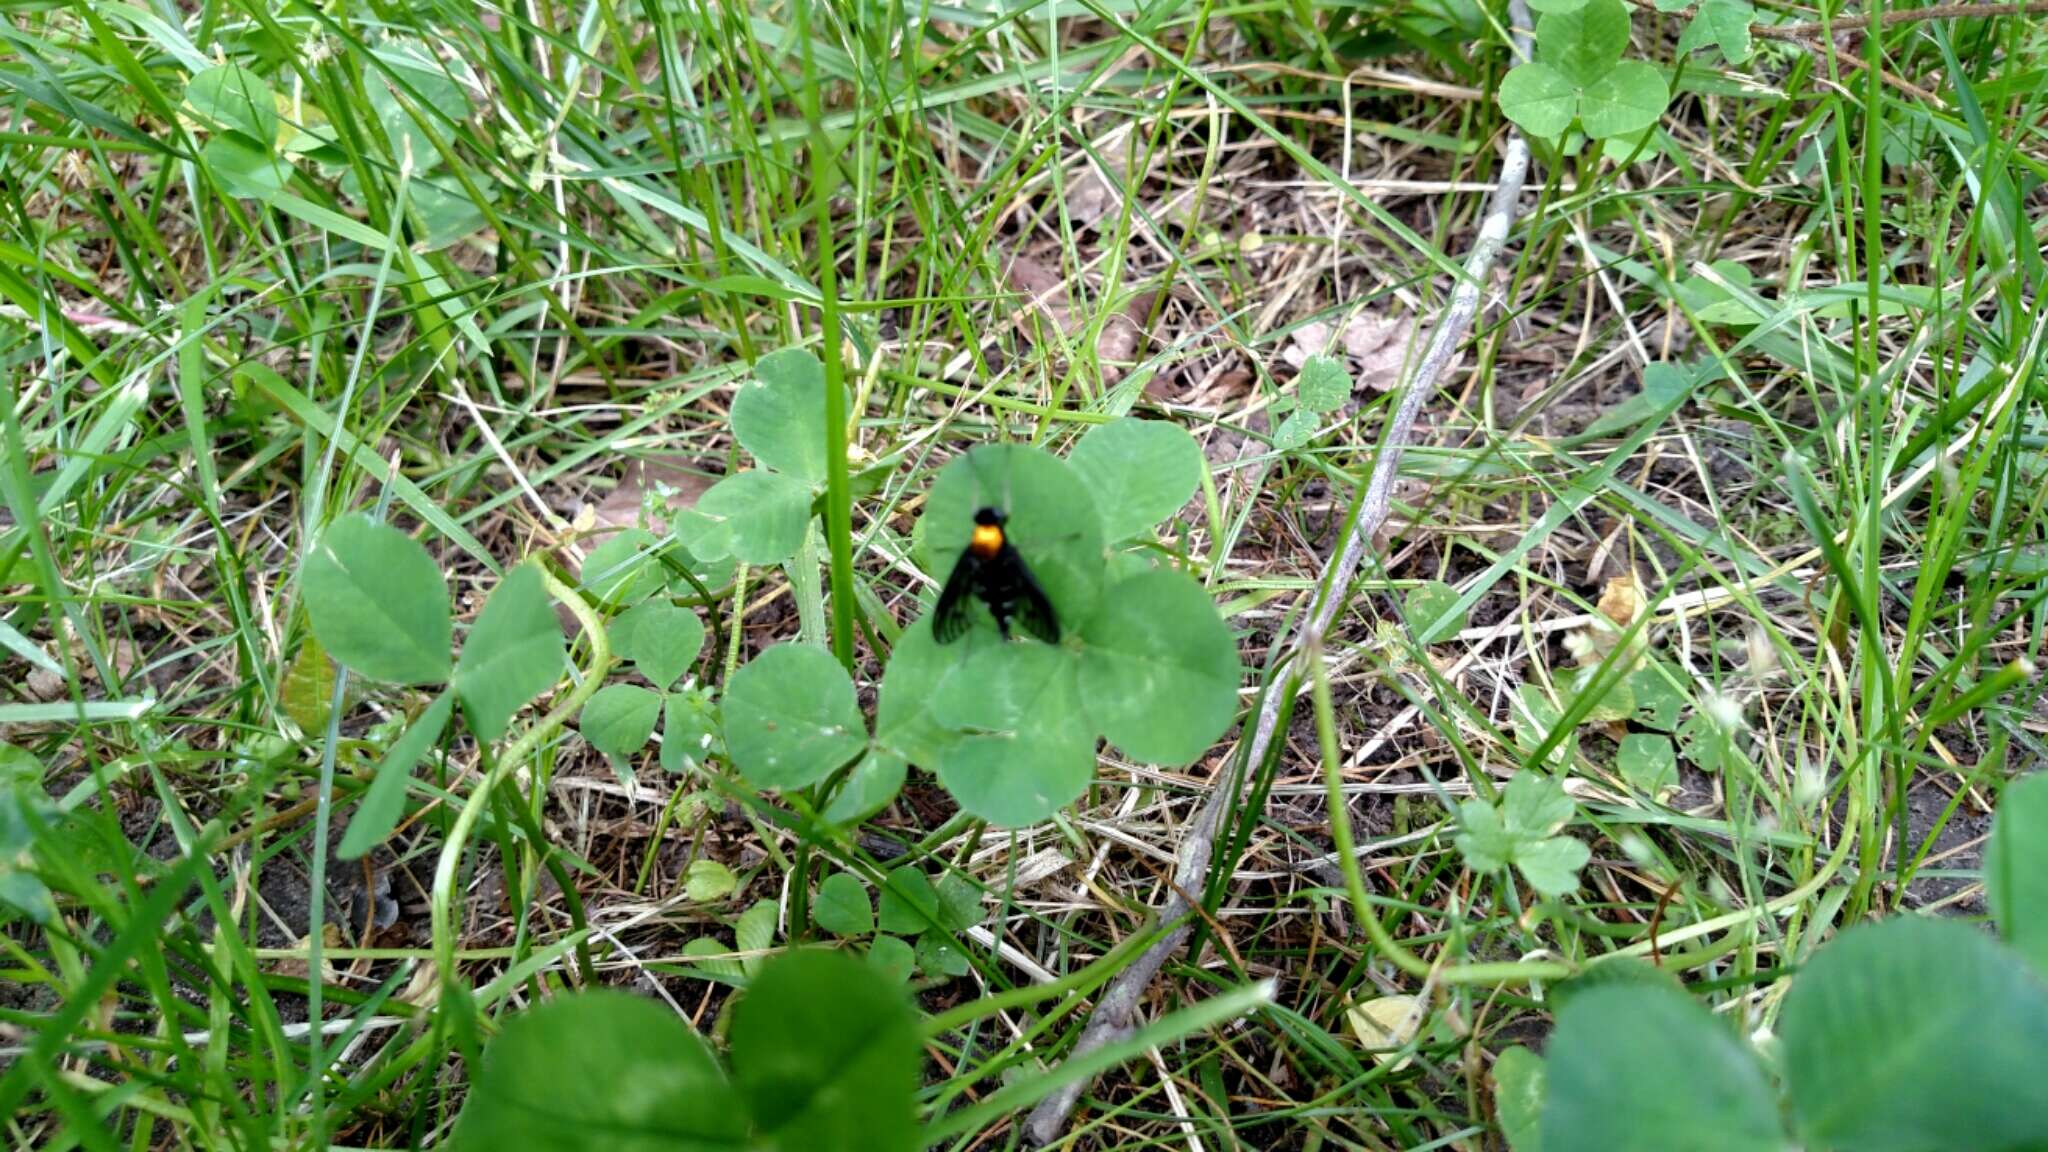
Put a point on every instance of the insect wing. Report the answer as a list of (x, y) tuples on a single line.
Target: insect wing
[(949, 619), (1034, 611)]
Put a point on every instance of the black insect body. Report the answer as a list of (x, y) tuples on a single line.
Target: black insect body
[(992, 570)]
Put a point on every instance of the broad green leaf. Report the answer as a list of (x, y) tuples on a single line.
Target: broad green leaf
[(1905, 1035), (599, 1071), (753, 935), (1713, 301), (1431, 609), (231, 98), (1551, 866), (619, 720), (707, 880), (1629, 98), (308, 690), (909, 902), (919, 667), (622, 569), (1578, 71), (715, 959), (2016, 868), (1028, 751), (1659, 698), (689, 730), (1610, 971), (702, 546), (791, 717), (1540, 99), (1053, 523), (761, 516), (1518, 1098), (1640, 1068), (869, 788), (1649, 762), (432, 98), (1616, 702), (1138, 472), (384, 801), (939, 955), (1730, 20), (245, 171), (1662, 386), (378, 602), (1324, 385), (512, 654), (779, 415), (892, 958), (843, 907), (1298, 429), (1556, 5), (1534, 805), (1159, 670), (1583, 44), (1706, 744), (1482, 839), (826, 1055), (445, 212), (960, 905), (661, 639)]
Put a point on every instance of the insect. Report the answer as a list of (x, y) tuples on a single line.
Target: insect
[(991, 569)]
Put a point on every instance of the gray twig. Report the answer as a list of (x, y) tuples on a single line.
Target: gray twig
[(1114, 1011)]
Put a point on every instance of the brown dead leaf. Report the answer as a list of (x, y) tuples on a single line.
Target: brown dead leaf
[(298, 967), (1376, 344), (1122, 334), (1621, 599), (676, 485)]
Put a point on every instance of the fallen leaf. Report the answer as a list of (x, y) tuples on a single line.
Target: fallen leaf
[(298, 967), (1621, 600), (674, 485), (1387, 1023), (1377, 344), (1046, 290)]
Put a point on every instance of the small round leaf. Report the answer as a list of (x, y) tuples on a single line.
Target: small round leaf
[(2016, 868), (843, 907), (825, 1052), (1630, 97), (919, 668), (660, 638), (1642, 1068), (1431, 609), (689, 730), (599, 1071), (512, 654), (1901, 1036), (1539, 99), (763, 515), (1159, 672), (1139, 472), (1027, 751), (791, 717), (622, 569), (779, 415), (1583, 44), (378, 602), (231, 98), (619, 720), (243, 170)]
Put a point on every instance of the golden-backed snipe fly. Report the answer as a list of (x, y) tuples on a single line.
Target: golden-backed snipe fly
[(991, 569)]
